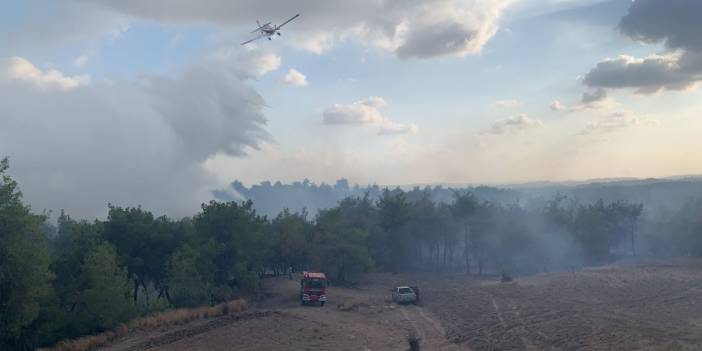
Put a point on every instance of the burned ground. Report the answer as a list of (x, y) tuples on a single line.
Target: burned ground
[(633, 306)]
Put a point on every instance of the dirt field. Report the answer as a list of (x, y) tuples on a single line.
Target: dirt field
[(652, 306)]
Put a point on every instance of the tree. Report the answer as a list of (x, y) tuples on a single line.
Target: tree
[(462, 208), (59, 315), (483, 222), (129, 230), (144, 245), (237, 233), (104, 300), (596, 227), (75, 241), (340, 240), (289, 235), (392, 244), (685, 227), (516, 249), (24, 261), (635, 211), (188, 280), (447, 233), (628, 215), (424, 222)]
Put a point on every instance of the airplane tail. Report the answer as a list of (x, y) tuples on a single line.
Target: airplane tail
[(258, 27)]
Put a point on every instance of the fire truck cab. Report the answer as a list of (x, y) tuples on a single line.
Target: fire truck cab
[(313, 288)]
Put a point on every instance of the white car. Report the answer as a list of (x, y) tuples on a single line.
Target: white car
[(404, 294)]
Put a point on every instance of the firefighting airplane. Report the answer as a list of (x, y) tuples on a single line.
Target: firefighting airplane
[(267, 30)]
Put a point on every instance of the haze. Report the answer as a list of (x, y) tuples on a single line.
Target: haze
[(156, 103)]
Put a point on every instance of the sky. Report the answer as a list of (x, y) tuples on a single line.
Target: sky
[(156, 103)]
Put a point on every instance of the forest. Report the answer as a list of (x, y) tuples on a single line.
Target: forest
[(660, 196), (64, 277)]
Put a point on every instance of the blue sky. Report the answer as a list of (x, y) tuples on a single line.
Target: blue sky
[(447, 91)]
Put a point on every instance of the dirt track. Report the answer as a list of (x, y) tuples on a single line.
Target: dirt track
[(650, 306)]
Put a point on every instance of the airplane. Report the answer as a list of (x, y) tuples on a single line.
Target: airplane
[(268, 30)]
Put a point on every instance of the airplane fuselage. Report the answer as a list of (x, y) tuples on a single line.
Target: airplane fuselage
[(269, 30)]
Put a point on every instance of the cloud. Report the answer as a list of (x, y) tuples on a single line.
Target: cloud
[(295, 78), (594, 97), (127, 142), (360, 112), (590, 100), (618, 121), (515, 124), (366, 112), (507, 103), (394, 128), (677, 25), (412, 29), (556, 105), (42, 26), (18, 69), (250, 59), (451, 29), (315, 42), (81, 60), (675, 71)]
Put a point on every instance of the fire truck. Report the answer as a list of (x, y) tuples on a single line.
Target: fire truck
[(313, 288)]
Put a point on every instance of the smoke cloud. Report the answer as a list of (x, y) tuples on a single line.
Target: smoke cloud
[(127, 142)]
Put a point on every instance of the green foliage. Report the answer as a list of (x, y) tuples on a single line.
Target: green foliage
[(104, 301), (462, 208), (187, 278), (340, 241), (24, 262), (391, 247), (237, 233), (143, 244), (91, 292), (289, 238)]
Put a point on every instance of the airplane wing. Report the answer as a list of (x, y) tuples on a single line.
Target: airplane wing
[(288, 21), (254, 39)]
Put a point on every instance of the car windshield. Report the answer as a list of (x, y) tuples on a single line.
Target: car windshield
[(405, 291), (314, 283)]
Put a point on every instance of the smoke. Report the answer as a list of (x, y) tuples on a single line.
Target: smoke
[(77, 145)]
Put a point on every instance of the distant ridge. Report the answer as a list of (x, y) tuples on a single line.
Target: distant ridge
[(658, 194)]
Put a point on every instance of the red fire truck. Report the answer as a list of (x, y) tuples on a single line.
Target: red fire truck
[(313, 288)]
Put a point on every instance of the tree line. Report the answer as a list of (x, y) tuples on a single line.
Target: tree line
[(73, 277)]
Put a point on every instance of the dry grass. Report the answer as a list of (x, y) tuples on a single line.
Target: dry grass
[(164, 319)]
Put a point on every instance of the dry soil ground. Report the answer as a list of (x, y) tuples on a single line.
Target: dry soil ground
[(642, 306)]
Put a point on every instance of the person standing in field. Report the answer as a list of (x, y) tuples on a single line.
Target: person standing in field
[(290, 270)]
